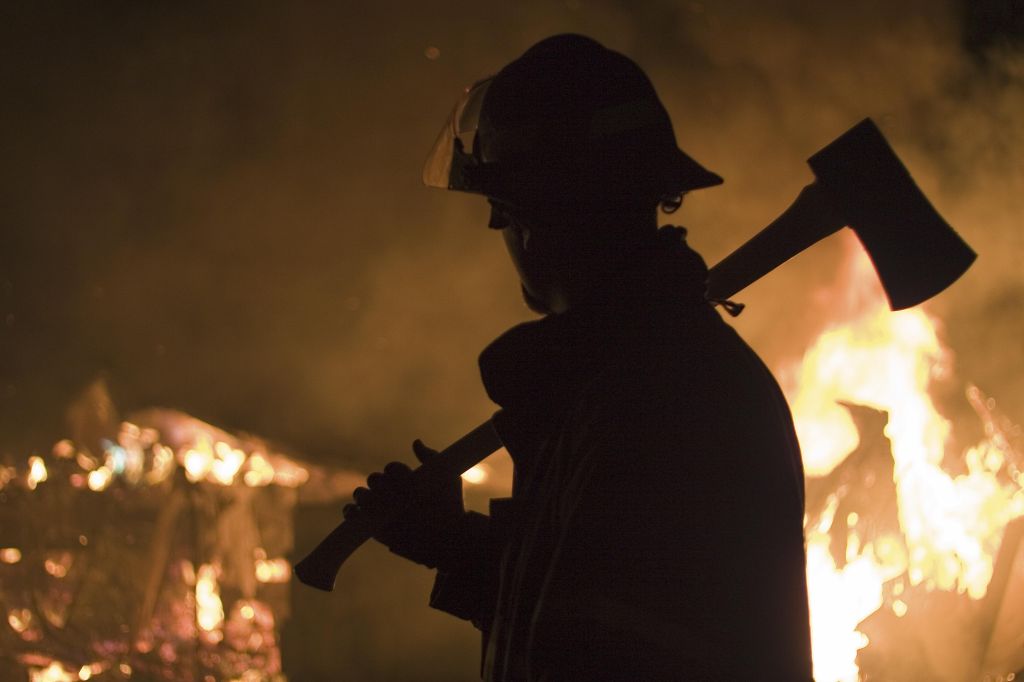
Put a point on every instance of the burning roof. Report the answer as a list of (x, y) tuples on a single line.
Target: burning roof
[(153, 546)]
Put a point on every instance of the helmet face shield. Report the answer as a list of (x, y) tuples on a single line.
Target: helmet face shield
[(452, 153)]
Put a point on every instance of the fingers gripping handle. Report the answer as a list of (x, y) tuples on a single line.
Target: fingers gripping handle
[(320, 567)]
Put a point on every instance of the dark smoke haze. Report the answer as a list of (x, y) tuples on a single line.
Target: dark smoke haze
[(221, 210)]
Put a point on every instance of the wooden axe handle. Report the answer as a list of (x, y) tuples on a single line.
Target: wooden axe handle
[(320, 567), (808, 220)]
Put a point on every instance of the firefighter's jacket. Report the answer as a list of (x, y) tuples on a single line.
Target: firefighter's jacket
[(655, 529)]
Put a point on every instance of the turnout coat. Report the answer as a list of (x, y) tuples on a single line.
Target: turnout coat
[(655, 528)]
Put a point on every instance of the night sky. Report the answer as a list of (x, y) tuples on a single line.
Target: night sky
[(218, 208)]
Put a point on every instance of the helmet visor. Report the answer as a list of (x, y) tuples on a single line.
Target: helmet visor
[(453, 150)]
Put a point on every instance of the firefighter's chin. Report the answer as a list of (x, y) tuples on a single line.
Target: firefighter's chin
[(534, 303)]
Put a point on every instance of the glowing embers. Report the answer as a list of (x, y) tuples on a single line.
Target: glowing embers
[(57, 564), (260, 472), (99, 479), (226, 464), (271, 570), (198, 460), (137, 457), (209, 608), (54, 672), (25, 623), (221, 463), (37, 472), (98, 577), (44, 669), (10, 555), (19, 619), (250, 626)]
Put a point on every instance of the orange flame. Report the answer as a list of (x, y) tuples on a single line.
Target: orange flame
[(209, 608), (952, 526)]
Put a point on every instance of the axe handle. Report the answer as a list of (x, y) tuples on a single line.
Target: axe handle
[(320, 567), (808, 220)]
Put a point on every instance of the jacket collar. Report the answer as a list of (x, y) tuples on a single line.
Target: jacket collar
[(538, 367)]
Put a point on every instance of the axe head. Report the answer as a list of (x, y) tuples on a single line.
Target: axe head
[(916, 253)]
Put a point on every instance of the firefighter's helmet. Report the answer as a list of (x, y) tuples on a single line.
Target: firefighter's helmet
[(568, 117)]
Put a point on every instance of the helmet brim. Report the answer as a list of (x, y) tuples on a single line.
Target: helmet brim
[(692, 175)]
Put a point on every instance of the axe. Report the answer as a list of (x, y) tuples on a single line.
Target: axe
[(860, 183)]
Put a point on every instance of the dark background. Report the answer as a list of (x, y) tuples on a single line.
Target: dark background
[(218, 207)]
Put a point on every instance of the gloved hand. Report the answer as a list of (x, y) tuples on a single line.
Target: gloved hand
[(419, 520)]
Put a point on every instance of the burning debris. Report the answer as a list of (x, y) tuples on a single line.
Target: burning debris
[(909, 565), (152, 547)]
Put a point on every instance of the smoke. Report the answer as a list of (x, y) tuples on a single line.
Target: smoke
[(758, 88), (224, 210)]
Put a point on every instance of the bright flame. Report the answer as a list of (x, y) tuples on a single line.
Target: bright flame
[(198, 460), (19, 619), (952, 526), (55, 672), (273, 570), (99, 479), (36, 472), (162, 466), (260, 472), (209, 609), (10, 555), (475, 475), (227, 463)]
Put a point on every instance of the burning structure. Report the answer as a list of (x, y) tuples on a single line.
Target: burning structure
[(152, 547), (914, 559)]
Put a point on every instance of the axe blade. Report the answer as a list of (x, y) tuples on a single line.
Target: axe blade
[(915, 252)]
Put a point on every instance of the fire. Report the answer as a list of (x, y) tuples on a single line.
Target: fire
[(260, 472), (951, 526), (55, 672), (99, 479), (475, 475), (198, 460), (19, 620), (58, 564), (226, 464), (271, 570), (37, 472), (209, 608)]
